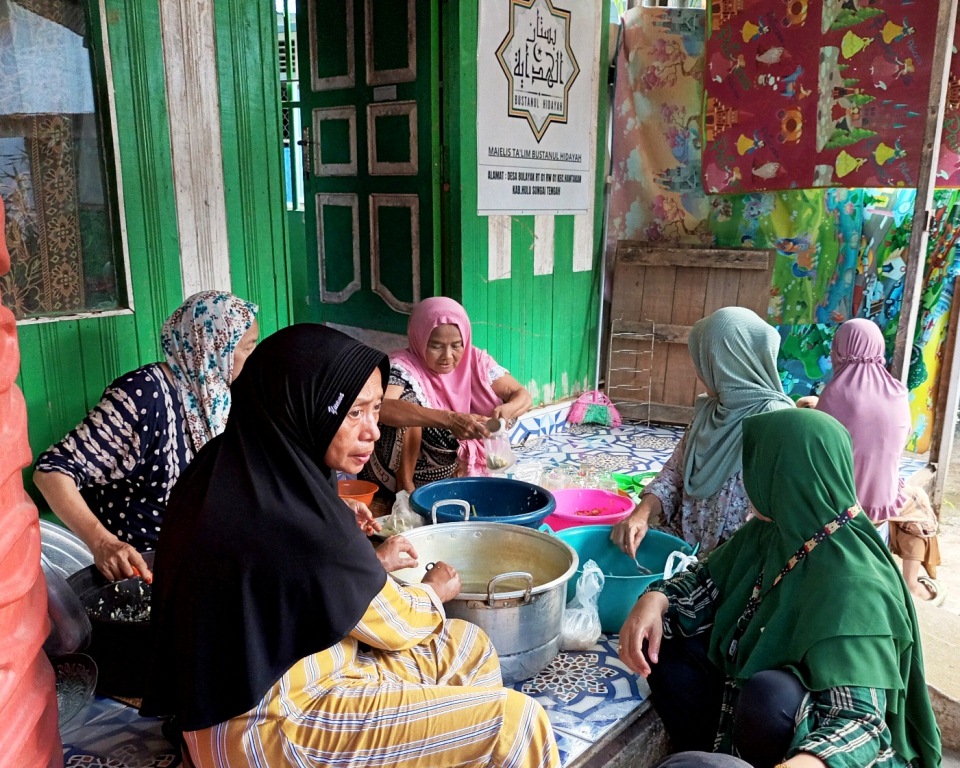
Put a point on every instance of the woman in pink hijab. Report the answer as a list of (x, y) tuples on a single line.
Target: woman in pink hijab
[(443, 371), (874, 408)]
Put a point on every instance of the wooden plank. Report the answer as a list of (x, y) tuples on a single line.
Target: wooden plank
[(916, 253), (628, 283), (671, 414), (642, 254), (667, 333), (723, 288), (654, 412), (754, 292), (656, 304), (680, 384)]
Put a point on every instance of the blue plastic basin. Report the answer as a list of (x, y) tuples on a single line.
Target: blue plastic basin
[(623, 584), (491, 499)]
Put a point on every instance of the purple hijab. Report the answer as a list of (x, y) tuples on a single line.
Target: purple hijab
[(874, 408)]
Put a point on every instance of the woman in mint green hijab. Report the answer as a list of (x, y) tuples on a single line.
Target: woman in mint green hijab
[(803, 607), (699, 495)]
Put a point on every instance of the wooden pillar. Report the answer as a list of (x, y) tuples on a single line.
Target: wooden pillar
[(917, 253)]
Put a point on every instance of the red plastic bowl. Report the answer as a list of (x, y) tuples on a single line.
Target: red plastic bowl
[(588, 506)]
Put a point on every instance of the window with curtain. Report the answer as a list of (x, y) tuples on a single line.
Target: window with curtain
[(60, 218)]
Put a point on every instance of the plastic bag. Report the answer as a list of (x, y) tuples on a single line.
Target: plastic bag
[(497, 446), (676, 562), (581, 619), (401, 518)]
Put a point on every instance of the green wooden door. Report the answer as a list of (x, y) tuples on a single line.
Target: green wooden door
[(371, 141)]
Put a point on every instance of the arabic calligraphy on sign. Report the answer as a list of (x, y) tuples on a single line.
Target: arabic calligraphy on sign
[(538, 61)]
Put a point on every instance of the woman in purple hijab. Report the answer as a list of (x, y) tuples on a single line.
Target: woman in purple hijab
[(874, 407)]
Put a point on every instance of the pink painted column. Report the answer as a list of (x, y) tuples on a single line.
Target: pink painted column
[(28, 699)]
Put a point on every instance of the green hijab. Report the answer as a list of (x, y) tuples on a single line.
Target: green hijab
[(735, 354), (843, 615)]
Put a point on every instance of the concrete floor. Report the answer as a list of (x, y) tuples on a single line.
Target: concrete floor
[(941, 627)]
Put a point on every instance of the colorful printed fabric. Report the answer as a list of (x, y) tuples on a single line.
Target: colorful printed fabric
[(438, 446), (198, 340), (841, 253), (940, 271), (709, 521), (126, 455), (803, 94), (948, 166), (656, 193)]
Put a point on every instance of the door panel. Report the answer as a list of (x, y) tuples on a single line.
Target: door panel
[(372, 229), (659, 292)]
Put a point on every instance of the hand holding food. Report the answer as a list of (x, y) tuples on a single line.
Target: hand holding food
[(365, 519)]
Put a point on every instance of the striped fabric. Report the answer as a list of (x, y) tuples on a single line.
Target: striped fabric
[(406, 689)]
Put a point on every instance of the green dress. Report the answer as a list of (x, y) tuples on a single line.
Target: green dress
[(833, 607)]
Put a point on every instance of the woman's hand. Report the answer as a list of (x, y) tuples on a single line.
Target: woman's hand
[(644, 624), (628, 533), (467, 426), (810, 401), (445, 581), (118, 560), (395, 553), (516, 399), (114, 559), (365, 519)]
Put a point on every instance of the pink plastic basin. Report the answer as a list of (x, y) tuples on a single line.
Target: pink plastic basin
[(587, 501)]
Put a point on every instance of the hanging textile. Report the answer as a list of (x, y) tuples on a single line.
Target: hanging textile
[(941, 268), (948, 166), (656, 193), (804, 94)]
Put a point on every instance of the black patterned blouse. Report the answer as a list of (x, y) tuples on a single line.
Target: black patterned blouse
[(126, 455)]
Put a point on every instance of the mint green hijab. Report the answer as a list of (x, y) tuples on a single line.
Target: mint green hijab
[(843, 615), (735, 354)]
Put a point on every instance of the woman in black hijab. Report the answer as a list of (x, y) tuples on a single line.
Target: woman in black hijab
[(279, 638)]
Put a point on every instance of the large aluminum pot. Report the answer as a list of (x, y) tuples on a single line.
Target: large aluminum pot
[(514, 586)]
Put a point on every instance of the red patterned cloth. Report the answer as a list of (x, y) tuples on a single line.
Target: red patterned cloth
[(809, 94)]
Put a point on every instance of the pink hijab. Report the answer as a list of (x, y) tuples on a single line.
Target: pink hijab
[(467, 388), (874, 408)]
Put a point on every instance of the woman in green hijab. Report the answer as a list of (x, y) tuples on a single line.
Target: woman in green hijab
[(796, 643), (699, 495)]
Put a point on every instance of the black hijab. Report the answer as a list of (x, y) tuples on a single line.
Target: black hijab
[(259, 563)]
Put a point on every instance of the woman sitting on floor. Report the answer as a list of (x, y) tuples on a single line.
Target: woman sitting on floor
[(795, 644), (875, 409), (278, 637), (109, 479), (699, 493), (440, 370)]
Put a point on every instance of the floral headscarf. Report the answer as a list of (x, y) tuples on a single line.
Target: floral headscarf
[(198, 340)]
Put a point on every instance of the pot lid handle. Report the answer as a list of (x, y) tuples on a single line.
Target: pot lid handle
[(444, 502), (492, 584)]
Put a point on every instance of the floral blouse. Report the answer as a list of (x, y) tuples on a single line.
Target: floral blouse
[(126, 455), (709, 521)]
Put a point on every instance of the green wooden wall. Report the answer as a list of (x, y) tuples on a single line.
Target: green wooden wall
[(65, 365), (543, 328)]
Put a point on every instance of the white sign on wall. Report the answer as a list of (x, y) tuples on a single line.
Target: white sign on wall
[(536, 106)]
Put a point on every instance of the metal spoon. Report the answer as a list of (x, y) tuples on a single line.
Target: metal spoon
[(643, 571)]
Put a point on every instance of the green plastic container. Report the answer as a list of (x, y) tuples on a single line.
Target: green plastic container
[(623, 583)]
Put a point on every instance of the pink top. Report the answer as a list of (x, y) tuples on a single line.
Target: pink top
[(466, 389), (874, 408)]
